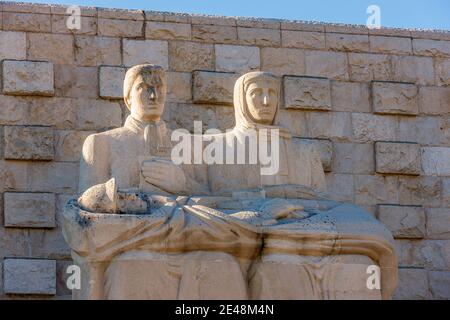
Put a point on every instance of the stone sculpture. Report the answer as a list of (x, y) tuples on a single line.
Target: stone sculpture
[(145, 228)]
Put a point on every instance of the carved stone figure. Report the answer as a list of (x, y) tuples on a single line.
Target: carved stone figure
[(145, 228)]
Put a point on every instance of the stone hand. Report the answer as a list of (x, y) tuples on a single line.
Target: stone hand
[(164, 175), (281, 208)]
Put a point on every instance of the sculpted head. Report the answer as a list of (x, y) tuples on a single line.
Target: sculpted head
[(144, 91)]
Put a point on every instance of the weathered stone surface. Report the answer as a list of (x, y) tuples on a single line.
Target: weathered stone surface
[(30, 210), (294, 120), (393, 45), (368, 67), (340, 186), (425, 191), (413, 285), (167, 30), (56, 48), (13, 45), (434, 100), (350, 96), (418, 70), (428, 47), (438, 223), (403, 221), (76, 82), (446, 192), (29, 276), (328, 64), (399, 158), (213, 87), (214, 33), (109, 13), (432, 254), (56, 177), (15, 21), (28, 143), (258, 23), (93, 114), (395, 98), (283, 61), (88, 25), (120, 28), (25, 7), (95, 51), (231, 58), (111, 82), (375, 189), (145, 51), (189, 56), (302, 39), (432, 131), (307, 93), (329, 125), (302, 26), (370, 127), (324, 148), (68, 144), (440, 284), (353, 158), (57, 112), (259, 36), (27, 78), (442, 75), (435, 161), (179, 87), (347, 42)]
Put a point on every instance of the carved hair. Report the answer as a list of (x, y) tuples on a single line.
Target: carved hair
[(140, 70)]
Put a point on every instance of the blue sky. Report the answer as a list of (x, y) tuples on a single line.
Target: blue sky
[(427, 14)]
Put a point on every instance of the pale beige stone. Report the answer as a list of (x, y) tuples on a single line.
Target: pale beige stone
[(88, 25), (332, 65), (438, 223), (440, 284), (329, 125), (167, 30), (413, 285), (395, 98), (350, 96), (340, 186), (68, 144), (28, 143), (324, 148), (57, 112), (214, 33), (283, 61), (145, 51), (55, 48), (55, 177), (442, 75), (111, 82), (14, 175), (353, 158), (179, 87), (303, 39), (229, 58), (435, 161), (425, 191), (94, 114), (58, 9), (307, 93), (418, 70), (432, 254), (434, 100), (14, 21), (95, 51), (213, 87), (259, 36), (375, 189), (433, 130), (30, 210), (347, 42), (189, 56), (120, 28), (446, 192), (370, 127), (294, 120), (258, 23), (213, 20), (302, 26), (29, 276), (392, 45), (27, 78), (346, 28), (13, 45), (403, 221), (76, 82), (108, 13), (428, 47), (368, 67), (399, 158)]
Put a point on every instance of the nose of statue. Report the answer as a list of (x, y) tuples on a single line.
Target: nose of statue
[(152, 93), (265, 101)]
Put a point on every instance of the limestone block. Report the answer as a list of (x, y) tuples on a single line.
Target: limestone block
[(324, 148), (394, 98), (88, 25), (29, 276), (370, 127), (120, 28), (213, 20), (145, 51), (231, 58), (432, 254), (433, 130), (392, 45), (446, 193), (442, 75), (302, 39), (425, 191), (27, 78), (307, 93), (94, 114), (76, 82), (258, 23), (294, 120), (25, 7), (57, 112), (329, 125), (435, 161), (347, 42), (95, 51), (440, 284), (350, 96), (214, 33), (413, 285), (353, 158), (14, 110), (167, 30), (283, 61), (16, 21), (189, 56), (30, 210), (109, 13), (259, 36), (302, 26), (111, 82), (13, 45), (340, 186), (428, 47), (56, 177), (56, 48), (368, 67), (375, 189), (29, 143), (418, 70), (400, 158), (68, 144), (438, 223), (14, 176), (213, 87), (179, 86), (403, 221), (434, 100), (328, 64)]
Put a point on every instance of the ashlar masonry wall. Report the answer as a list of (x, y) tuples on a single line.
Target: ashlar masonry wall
[(376, 103)]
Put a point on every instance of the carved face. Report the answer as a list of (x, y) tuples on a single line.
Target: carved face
[(262, 101), (147, 97)]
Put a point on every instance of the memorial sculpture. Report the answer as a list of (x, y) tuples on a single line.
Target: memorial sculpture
[(147, 228)]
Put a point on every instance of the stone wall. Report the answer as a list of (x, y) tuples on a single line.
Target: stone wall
[(376, 103)]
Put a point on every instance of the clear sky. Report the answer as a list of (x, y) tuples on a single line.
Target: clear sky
[(426, 14)]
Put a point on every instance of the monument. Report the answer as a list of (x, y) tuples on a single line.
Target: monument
[(145, 227)]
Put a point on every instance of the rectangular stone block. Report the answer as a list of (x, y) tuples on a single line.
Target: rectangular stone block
[(213, 87), (353, 158), (120, 28), (418, 70), (420, 190), (97, 114), (13, 45), (403, 221), (29, 276), (435, 161), (259, 36), (332, 65), (376, 189), (329, 125), (88, 25), (432, 254), (428, 47), (446, 192), (231, 58), (189, 56), (442, 75), (307, 93), (95, 51), (167, 30), (368, 67), (214, 33), (68, 144), (412, 285), (438, 223), (213, 20), (434, 100), (111, 82), (302, 39), (29, 143), (145, 51), (392, 45), (395, 98), (76, 82), (56, 48), (440, 284), (399, 158), (347, 42), (370, 127), (323, 147), (350, 96), (340, 186), (15, 21), (283, 61), (179, 87), (258, 23), (27, 78), (109, 13), (55, 177), (30, 210)]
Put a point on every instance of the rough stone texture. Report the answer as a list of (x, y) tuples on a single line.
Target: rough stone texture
[(28, 143), (442, 75), (302, 39), (259, 37), (214, 33), (369, 127), (368, 67), (403, 221), (372, 190), (413, 285), (324, 148), (95, 51), (179, 87), (394, 98), (418, 70), (13, 45), (347, 42), (56, 48), (353, 158), (440, 284), (26, 276), (88, 25), (76, 82), (332, 65), (213, 87), (145, 51), (283, 61), (120, 28), (438, 223), (167, 30), (68, 144), (350, 96), (231, 58), (400, 158), (435, 161), (27, 78), (427, 47), (307, 93), (328, 125), (189, 56), (30, 210), (111, 82), (434, 100), (15, 21), (394, 45)]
